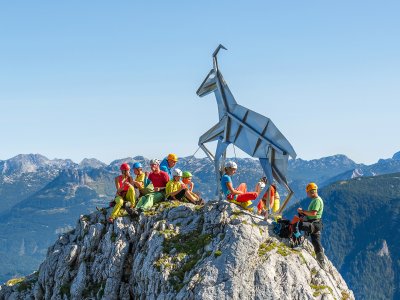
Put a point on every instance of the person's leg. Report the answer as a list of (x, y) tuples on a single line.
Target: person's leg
[(158, 197), (316, 241), (180, 195), (276, 206), (245, 196), (249, 196), (191, 196), (118, 204), (146, 202), (319, 251), (242, 187), (315, 233), (131, 196), (141, 202)]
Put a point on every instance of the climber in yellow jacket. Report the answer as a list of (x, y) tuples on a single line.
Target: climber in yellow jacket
[(177, 190)]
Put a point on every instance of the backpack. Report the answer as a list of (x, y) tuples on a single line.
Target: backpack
[(284, 229)]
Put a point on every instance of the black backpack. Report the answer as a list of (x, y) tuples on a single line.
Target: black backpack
[(282, 228), (285, 230)]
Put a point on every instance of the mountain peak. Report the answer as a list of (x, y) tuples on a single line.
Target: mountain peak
[(179, 251), (396, 156), (91, 163), (23, 163)]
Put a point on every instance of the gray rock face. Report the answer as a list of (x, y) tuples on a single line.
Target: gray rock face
[(178, 251)]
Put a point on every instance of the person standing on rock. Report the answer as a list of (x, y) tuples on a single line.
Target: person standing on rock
[(125, 192), (312, 222), (239, 196)]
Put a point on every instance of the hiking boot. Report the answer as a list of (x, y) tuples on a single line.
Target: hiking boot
[(200, 202), (133, 212), (130, 211), (321, 260), (111, 203)]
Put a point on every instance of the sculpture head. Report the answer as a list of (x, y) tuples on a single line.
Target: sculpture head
[(209, 85)]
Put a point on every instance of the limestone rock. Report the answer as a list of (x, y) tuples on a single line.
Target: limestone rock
[(178, 251)]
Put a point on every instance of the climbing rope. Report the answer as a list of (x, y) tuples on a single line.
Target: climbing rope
[(191, 157), (234, 151)]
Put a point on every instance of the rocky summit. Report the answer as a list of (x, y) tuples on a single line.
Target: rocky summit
[(178, 251)]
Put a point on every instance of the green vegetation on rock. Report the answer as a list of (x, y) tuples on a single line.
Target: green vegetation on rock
[(187, 251)]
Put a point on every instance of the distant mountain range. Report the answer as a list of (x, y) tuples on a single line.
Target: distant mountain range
[(41, 198)]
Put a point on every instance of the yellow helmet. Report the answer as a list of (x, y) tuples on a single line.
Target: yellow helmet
[(311, 186), (173, 157)]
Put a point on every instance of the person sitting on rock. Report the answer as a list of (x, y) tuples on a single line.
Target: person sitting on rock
[(260, 185), (277, 200), (310, 220), (270, 199), (159, 179), (177, 190), (187, 180), (239, 195), (125, 193), (168, 163), (140, 180)]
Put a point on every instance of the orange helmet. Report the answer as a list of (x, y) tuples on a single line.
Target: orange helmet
[(124, 167), (172, 157), (311, 186)]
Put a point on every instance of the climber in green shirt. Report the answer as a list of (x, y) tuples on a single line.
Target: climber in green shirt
[(312, 221)]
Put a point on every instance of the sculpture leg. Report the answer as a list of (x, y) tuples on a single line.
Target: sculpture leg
[(215, 133), (219, 158)]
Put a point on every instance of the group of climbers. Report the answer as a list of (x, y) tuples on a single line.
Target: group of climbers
[(136, 195), (165, 182), (240, 195), (308, 221)]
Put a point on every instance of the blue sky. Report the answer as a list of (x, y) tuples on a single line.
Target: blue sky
[(116, 79)]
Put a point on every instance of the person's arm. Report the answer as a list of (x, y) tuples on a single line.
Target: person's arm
[(169, 191), (231, 189), (138, 184), (191, 187), (310, 213), (116, 183), (315, 207), (258, 188), (118, 187), (173, 194)]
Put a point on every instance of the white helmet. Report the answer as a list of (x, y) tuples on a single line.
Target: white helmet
[(176, 172), (154, 161), (230, 164)]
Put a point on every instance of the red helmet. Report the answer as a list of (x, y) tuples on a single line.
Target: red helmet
[(124, 167)]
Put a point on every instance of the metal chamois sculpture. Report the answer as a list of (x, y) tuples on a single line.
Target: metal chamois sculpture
[(253, 133)]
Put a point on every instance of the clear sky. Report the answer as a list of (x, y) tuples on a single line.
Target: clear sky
[(112, 79)]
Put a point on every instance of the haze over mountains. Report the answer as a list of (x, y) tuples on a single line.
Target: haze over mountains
[(42, 198)]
